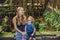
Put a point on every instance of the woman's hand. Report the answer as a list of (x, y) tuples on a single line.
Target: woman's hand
[(23, 33)]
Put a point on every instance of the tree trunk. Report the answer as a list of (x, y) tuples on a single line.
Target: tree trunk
[(24, 4), (11, 3), (31, 7), (50, 27)]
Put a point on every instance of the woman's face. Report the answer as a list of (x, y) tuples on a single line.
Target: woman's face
[(21, 11)]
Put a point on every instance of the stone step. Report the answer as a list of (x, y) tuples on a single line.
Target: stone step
[(37, 38)]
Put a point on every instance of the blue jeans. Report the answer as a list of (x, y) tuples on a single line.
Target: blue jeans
[(19, 36)]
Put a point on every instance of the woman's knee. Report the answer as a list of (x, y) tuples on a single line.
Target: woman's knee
[(18, 39)]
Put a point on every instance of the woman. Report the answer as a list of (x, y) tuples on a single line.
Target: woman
[(19, 24)]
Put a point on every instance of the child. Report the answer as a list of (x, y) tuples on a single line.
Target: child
[(31, 28)]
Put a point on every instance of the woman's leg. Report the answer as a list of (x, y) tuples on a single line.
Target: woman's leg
[(18, 39), (18, 36), (24, 37)]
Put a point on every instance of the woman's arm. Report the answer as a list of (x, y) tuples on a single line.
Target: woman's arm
[(25, 29), (15, 26)]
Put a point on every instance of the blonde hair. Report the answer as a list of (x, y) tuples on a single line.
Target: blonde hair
[(20, 19), (19, 8), (32, 19)]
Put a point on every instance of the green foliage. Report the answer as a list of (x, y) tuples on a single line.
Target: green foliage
[(6, 15), (37, 25), (5, 22), (53, 18), (0, 28), (7, 34), (40, 26)]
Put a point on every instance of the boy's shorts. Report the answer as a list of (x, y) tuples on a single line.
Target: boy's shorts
[(29, 35)]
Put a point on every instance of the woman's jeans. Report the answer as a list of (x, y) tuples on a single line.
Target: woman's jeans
[(19, 36)]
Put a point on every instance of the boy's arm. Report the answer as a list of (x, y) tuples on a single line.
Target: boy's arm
[(34, 31)]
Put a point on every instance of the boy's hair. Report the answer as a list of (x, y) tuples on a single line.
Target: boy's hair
[(32, 19)]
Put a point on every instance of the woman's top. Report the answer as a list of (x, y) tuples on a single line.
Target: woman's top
[(21, 27)]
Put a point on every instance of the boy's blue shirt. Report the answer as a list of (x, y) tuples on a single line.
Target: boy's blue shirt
[(30, 27)]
